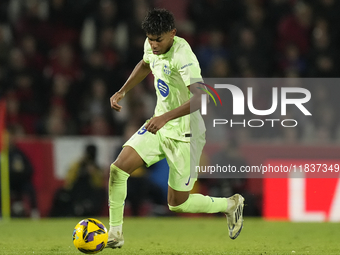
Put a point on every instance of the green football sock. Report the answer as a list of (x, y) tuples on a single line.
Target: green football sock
[(197, 203), (117, 194)]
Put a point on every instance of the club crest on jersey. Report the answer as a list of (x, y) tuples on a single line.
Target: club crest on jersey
[(166, 69), (163, 88)]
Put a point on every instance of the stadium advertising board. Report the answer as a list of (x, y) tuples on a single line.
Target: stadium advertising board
[(310, 191)]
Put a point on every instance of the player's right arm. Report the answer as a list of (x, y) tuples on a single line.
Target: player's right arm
[(138, 74)]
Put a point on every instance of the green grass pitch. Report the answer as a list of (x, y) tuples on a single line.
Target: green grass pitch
[(176, 236)]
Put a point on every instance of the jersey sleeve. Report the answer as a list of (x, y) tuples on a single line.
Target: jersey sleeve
[(188, 66), (147, 51)]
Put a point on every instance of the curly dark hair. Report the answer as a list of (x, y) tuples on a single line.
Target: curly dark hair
[(158, 21)]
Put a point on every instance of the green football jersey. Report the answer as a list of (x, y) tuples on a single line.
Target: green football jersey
[(173, 72)]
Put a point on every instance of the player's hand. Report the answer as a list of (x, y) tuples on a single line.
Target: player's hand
[(155, 124), (115, 99)]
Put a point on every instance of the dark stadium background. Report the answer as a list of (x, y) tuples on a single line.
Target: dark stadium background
[(61, 60)]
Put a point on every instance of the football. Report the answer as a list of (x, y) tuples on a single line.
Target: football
[(90, 236)]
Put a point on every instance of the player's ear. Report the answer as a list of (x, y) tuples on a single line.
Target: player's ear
[(173, 32)]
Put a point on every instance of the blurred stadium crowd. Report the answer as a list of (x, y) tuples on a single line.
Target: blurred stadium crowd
[(61, 60)]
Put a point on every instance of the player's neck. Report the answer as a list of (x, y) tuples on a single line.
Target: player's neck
[(172, 43)]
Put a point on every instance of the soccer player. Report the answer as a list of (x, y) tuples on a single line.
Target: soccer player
[(175, 130)]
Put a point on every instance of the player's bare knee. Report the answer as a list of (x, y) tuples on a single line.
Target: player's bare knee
[(117, 164)]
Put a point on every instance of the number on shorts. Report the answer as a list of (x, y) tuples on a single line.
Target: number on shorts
[(142, 131)]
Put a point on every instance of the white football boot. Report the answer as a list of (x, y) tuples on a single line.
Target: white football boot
[(115, 240), (234, 215)]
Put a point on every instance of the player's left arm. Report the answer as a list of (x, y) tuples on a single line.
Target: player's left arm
[(192, 105)]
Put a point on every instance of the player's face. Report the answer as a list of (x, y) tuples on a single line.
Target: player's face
[(160, 44)]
